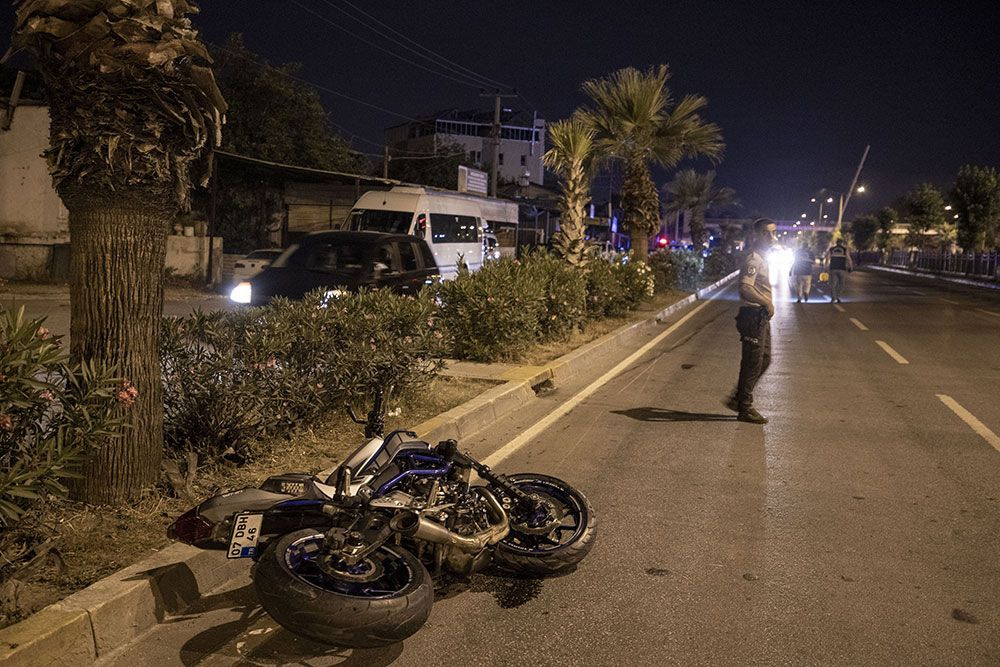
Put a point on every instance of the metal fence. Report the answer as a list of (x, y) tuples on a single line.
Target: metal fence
[(982, 265)]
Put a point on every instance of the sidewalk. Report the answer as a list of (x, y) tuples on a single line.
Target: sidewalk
[(950, 278)]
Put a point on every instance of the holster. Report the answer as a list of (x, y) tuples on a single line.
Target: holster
[(750, 322)]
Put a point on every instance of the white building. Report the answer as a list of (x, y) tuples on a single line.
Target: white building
[(522, 140)]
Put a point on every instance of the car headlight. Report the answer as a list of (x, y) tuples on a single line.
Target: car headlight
[(242, 293)]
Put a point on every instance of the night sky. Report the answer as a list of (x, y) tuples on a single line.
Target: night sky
[(798, 89)]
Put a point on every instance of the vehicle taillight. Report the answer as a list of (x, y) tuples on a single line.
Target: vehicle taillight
[(190, 527)]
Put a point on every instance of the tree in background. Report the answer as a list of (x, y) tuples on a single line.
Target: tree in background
[(134, 111), (697, 193), (436, 171), (863, 230), (271, 117), (976, 196), (637, 123), (571, 157), (274, 117), (923, 212), (886, 218)]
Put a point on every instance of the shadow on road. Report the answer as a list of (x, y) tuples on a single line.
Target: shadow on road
[(661, 415), (255, 639)]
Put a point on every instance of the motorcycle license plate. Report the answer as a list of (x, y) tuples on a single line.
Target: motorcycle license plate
[(246, 530)]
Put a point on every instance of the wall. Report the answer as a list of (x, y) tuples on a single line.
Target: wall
[(187, 256), (32, 218)]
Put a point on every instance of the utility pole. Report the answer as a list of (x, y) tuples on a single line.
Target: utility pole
[(385, 163), (495, 135), (850, 191)]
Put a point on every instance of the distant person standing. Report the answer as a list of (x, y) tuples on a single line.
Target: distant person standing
[(802, 271), (839, 264), (753, 321)]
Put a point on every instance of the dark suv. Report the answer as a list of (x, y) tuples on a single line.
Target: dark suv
[(343, 260)]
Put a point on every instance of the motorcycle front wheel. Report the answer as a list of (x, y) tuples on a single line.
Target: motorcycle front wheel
[(380, 601), (548, 545)]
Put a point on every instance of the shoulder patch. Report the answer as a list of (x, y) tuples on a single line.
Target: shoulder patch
[(751, 270)]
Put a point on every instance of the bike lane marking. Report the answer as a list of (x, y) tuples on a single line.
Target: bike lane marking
[(527, 436), (979, 427), (900, 359), (856, 322)]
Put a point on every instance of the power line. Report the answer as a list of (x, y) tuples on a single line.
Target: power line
[(331, 91), (330, 21), (451, 64)]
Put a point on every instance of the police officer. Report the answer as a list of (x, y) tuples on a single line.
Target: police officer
[(753, 321), (839, 264)]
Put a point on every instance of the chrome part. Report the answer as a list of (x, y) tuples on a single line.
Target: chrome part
[(416, 526)]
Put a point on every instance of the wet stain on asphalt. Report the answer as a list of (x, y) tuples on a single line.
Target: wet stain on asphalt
[(657, 572), (963, 616)]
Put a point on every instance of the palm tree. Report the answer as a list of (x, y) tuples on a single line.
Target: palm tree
[(571, 157), (694, 192), (134, 113), (636, 122)]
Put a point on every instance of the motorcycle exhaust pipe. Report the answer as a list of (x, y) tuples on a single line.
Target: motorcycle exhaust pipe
[(413, 525)]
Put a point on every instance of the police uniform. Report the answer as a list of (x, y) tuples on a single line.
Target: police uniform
[(840, 264), (755, 329)]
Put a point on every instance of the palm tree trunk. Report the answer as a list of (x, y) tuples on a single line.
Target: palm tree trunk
[(116, 294), (698, 235)]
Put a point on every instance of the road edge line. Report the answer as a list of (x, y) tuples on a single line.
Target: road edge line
[(981, 429)]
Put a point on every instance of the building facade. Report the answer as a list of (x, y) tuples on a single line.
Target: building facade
[(522, 140)]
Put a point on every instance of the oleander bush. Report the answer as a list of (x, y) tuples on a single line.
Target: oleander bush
[(676, 269), (233, 380), (617, 284), (565, 294), (493, 314), (53, 412), (720, 264)]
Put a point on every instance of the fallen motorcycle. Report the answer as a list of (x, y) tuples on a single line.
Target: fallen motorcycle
[(347, 559)]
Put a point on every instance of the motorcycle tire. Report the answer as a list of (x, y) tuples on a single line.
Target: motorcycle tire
[(532, 554), (311, 603)]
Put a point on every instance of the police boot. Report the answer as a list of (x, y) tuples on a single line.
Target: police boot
[(751, 416)]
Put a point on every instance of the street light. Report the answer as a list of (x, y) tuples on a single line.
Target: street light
[(948, 207), (860, 189), (829, 200)]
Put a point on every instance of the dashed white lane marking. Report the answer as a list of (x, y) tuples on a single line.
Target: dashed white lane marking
[(979, 427), (546, 421), (900, 359), (954, 303), (858, 324), (839, 307), (988, 312), (918, 292)]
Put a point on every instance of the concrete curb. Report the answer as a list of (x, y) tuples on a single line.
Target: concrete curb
[(116, 610), (933, 276)]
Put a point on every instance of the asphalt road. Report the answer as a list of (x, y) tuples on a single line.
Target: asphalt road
[(861, 526), (52, 303)]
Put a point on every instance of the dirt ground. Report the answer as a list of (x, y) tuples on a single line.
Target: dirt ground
[(90, 543)]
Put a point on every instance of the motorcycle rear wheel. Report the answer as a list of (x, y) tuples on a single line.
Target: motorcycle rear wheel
[(342, 611), (562, 548)]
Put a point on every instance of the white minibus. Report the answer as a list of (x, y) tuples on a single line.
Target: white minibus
[(450, 222)]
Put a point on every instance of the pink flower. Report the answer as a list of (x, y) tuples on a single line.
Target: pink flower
[(6, 422), (43, 333), (127, 393), (47, 395), (438, 334)]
